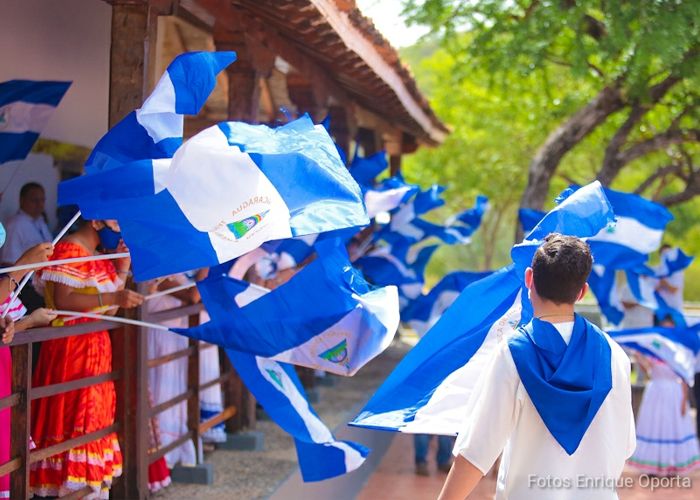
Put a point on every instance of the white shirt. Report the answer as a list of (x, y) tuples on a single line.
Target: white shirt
[(23, 233), (636, 316), (501, 416)]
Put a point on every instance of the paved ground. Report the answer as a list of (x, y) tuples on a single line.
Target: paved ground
[(395, 479)]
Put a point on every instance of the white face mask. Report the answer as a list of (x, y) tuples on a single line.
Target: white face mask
[(3, 234)]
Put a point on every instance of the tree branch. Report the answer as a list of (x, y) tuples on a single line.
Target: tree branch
[(660, 172), (660, 141)]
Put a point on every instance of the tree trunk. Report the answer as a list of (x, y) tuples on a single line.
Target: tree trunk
[(561, 141)]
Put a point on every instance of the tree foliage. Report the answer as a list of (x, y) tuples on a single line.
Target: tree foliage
[(501, 116)]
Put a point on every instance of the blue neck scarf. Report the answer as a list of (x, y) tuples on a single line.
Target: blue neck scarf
[(566, 383)]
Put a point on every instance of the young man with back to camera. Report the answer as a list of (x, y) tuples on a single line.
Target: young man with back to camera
[(555, 398)]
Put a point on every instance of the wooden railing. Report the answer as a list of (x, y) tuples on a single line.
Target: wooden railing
[(130, 365)]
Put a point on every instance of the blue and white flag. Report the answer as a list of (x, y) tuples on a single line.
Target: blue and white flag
[(364, 170), (638, 231), (277, 388), (399, 264), (155, 131), (602, 284), (325, 317), (677, 347), (429, 389), (672, 261), (388, 195), (426, 310), (226, 191), (471, 217), (25, 108)]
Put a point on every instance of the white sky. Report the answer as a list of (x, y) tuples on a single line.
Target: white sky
[(385, 14)]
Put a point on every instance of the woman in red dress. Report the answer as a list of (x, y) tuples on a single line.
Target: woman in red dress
[(88, 286)]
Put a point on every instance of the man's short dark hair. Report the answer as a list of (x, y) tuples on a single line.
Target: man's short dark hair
[(561, 267), (28, 187), (665, 246)]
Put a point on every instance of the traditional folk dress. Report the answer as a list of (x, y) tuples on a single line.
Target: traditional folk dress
[(15, 312), (170, 379), (211, 400), (532, 402), (666, 441), (56, 419)]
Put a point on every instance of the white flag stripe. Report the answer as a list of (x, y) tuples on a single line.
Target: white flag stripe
[(22, 117), (631, 233), (441, 415), (317, 429), (384, 201)]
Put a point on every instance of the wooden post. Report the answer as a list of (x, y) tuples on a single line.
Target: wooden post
[(193, 413), (394, 164), (339, 129), (243, 77), (368, 140), (132, 58), (233, 390), (20, 418)]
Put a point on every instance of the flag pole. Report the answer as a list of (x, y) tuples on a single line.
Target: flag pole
[(28, 276), (115, 319), (147, 297), (74, 260)]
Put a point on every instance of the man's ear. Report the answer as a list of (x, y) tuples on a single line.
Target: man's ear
[(583, 292), (528, 277)]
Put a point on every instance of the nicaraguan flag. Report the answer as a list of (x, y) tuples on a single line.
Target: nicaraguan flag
[(226, 191), (426, 310), (364, 170), (25, 108), (603, 285), (388, 195), (429, 389), (638, 231), (677, 347), (155, 130), (277, 388), (326, 317), (424, 202)]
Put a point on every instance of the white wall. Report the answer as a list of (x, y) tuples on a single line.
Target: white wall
[(61, 40), (66, 40)]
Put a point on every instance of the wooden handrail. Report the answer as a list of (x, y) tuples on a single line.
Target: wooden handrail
[(170, 403), (152, 363), (59, 332), (10, 466), (223, 378), (9, 401), (152, 457), (217, 419), (53, 389), (174, 313), (50, 451)]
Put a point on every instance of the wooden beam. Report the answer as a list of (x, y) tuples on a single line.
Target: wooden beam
[(132, 58), (236, 19)]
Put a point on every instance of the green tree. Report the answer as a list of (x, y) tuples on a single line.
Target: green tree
[(635, 64)]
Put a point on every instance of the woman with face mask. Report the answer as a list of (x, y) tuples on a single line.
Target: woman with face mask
[(86, 286)]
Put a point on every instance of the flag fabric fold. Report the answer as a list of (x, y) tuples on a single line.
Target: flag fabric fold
[(225, 192), (155, 130), (677, 347), (429, 389), (426, 310), (325, 317), (26, 107), (277, 388)]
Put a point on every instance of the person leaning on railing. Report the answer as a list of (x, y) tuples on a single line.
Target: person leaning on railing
[(15, 320), (84, 286)]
